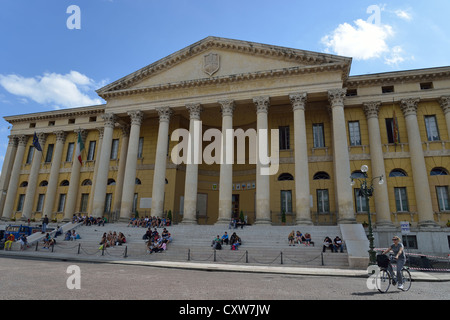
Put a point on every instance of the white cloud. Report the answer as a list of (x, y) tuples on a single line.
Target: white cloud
[(52, 89), (402, 14), (395, 57), (361, 41)]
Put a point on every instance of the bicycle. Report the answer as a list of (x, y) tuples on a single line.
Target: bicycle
[(384, 278)]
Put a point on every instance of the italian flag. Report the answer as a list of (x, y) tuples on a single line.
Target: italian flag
[(80, 147)]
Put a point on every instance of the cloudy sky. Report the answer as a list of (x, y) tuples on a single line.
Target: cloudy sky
[(54, 56)]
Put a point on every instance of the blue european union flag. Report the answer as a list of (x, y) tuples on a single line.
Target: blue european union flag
[(36, 143)]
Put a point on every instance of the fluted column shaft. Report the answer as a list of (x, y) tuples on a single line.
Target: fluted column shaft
[(33, 179), (419, 169), (226, 168), (194, 155), (263, 215), (50, 195), (129, 180), (122, 167), (302, 192), (159, 175), (101, 180), (14, 180), (343, 189), (445, 105), (101, 130), (378, 169), (8, 163)]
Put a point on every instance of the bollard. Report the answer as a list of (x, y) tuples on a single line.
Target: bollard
[(37, 243), (79, 247), (321, 254), (246, 256), (214, 255), (126, 250), (281, 255), (53, 247), (189, 254), (103, 250)]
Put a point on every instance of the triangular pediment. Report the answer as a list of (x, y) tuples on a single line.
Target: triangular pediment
[(219, 58)]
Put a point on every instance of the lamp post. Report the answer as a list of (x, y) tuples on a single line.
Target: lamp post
[(367, 191)]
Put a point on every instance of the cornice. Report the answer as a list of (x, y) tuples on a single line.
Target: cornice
[(417, 75), (276, 73), (307, 58), (65, 113)]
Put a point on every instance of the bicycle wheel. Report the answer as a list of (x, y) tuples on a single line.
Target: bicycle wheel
[(383, 281), (406, 275)]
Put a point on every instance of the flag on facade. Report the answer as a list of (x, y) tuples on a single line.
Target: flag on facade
[(36, 143), (395, 128), (80, 147)]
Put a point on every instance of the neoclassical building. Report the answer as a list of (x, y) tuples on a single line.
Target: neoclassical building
[(329, 124)]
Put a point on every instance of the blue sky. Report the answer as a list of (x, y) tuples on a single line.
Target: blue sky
[(44, 65)]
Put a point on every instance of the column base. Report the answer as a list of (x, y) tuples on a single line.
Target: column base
[(189, 222), (222, 222), (385, 226), (347, 221), (428, 225), (304, 222), (266, 222)]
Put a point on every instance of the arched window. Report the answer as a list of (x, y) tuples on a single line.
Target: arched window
[(24, 184), (43, 183), (64, 183), (357, 174), (321, 175), (285, 177), (87, 182), (438, 171), (398, 173), (111, 182), (137, 181)]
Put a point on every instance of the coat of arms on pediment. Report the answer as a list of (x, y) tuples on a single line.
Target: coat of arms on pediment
[(211, 63)]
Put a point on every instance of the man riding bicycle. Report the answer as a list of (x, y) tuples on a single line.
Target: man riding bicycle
[(399, 255)]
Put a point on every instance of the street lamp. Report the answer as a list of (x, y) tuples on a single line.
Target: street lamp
[(367, 191)]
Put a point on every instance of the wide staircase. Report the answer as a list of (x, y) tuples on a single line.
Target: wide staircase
[(261, 245)]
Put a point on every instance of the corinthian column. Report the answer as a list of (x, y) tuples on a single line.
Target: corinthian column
[(33, 178), (129, 180), (72, 194), (341, 159), (54, 174), (419, 169), (159, 175), (262, 180), (377, 159), (302, 205), (194, 154), (14, 179), (6, 170), (445, 105), (226, 168), (103, 169)]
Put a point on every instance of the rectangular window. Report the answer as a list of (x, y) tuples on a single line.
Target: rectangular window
[(284, 137), (323, 203), (114, 149), (354, 133), (91, 151), (40, 203), (318, 135), (140, 147), (108, 201), (20, 203), (69, 155), (49, 155), (84, 202), (409, 241), (443, 198), (432, 129), (62, 202), (286, 201), (387, 89), (30, 155), (360, 201), (401, 201)]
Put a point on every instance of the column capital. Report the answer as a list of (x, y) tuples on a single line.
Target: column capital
[(60, 136), (194, 110), (23, 140), (125, 130), (82, 132), (227, 107), (110, 119), (409, 106), (262, 103), (371, 109), (336, 97), (13, 141), (298, 100), (164, 114), (42, 137), (101, 131), (136, 117), (444, 101)]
